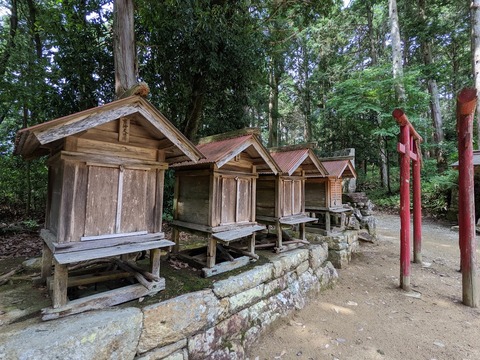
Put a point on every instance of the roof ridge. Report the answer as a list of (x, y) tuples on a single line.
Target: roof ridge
[(229, 135)]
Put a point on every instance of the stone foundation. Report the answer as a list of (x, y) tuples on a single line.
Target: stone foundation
[(341, 246), (217, 323)]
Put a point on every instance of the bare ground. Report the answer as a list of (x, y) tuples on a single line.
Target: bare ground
[(367, 316)]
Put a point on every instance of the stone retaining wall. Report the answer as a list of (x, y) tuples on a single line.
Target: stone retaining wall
[(217, 323)]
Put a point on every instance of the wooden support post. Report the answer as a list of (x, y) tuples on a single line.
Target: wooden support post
[(417, 211), (47, 261), (211, 251), (155, 262), (279, 236), (302, 231), (251, 244), (327, 221), (405, 209), (60, 285), (466, 103), (176, 240)]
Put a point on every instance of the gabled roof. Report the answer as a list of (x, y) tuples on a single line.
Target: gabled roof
[(340, 168), (39, 139), (220, 149), (290, 160)]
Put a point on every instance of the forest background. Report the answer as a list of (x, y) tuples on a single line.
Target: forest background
[(329, 72)]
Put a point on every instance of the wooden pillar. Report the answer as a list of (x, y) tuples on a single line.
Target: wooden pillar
[(60, 285), (47, 261), (302, 231), (466, 103), (405, 208), (176, 240), (211, 251), (279, 236), (251, 244), (155, 262), (417, 210), (327, 221)]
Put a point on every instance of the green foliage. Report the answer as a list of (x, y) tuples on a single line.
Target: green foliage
[(199, 55), (211, 60)]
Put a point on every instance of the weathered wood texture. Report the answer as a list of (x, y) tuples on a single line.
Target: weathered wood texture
[(335, 192), (316, 193), (102, 300)]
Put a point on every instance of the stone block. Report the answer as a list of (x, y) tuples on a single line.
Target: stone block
[(244, 281), (275, 286), (318, 255), (336, 242), (178, 355), (242, 300), (314, 238), (308, 282), (327, 275), (287, 261), (223, 341), (106, 334), (302, 268), (160, 353), (175, 319), (339, 258)]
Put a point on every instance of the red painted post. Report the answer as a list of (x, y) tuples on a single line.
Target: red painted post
[(466, 103), (405, 209), (409, 148), (417, 208)]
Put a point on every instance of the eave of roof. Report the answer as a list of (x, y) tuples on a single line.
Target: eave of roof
[(28, 140)]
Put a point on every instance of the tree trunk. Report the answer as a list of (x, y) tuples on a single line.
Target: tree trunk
[(124, 47), (396, 52), (436, 114), (32, 19), (274, 80), (11, 39), (195, 107), (307, 103), (384, 167), (28, 182), (475, 16)]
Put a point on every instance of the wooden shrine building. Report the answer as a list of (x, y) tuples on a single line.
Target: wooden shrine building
[(105, 194), (323, 195), (281, 197), (216, 198)]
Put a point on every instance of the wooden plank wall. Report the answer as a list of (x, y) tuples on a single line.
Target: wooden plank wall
[(336, 192), (316, 193), (101, 207), (265, 196), (94, 199), (193, 198), (291, 197)]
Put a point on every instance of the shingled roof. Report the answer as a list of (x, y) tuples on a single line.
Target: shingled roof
[(38, 140)]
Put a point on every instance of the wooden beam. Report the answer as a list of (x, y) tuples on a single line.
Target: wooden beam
[(60, 285), (226, 266), (67, 258), (102, 300)]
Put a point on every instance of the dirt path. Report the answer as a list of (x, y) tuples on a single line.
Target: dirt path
[(366, 316)]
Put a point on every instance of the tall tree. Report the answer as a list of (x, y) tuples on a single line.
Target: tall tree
[(396, 51), (124, 46), (435, 111)]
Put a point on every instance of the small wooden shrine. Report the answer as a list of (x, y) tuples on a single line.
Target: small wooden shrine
[(105, 193), (281, 197), (216, 198), (323, 195)]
